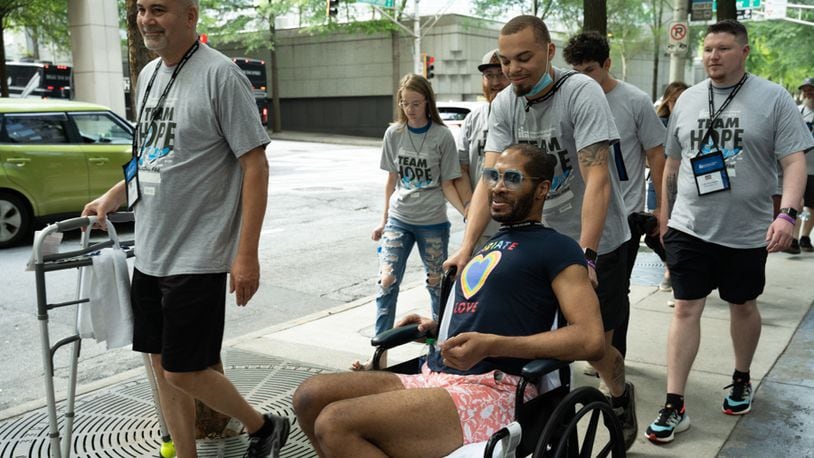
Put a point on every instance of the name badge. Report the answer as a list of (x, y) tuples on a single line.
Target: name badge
[(710, 173), (131, 182)]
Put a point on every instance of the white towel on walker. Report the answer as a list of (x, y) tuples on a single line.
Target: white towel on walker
[(108, 316)]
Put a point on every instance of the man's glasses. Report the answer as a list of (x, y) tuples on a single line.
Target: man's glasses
[(406, 105), (511, 178)]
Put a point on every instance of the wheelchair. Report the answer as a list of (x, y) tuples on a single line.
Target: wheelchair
[(549, 425)]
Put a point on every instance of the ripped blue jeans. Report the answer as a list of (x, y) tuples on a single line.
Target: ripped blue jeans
[(394, 248)]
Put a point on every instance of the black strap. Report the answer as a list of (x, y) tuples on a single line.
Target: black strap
[(551, 93), (713, 118), (163, 98)]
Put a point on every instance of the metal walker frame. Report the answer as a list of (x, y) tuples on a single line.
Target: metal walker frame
[(61, 441)]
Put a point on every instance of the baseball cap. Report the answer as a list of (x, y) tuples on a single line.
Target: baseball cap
[(806, 82), (490, 59)]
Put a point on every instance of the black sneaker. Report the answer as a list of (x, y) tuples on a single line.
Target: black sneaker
[(739, 401), (627, 417), (269, 446), (794, 248), (669, 422), (805, 244)]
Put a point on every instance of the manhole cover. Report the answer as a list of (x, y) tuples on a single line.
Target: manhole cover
[(120, 420)]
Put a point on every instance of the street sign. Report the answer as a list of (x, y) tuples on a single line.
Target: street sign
[(701, 10), (379, 3), (678, 39), (775, 9)]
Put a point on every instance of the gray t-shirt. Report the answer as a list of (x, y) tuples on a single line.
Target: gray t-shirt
[(422, 162), (760, 127), (640, 129), (188, 219), (576, 117), (473, 140), (808, 117)]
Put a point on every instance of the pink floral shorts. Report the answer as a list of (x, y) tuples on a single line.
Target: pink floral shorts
[(485, 402)]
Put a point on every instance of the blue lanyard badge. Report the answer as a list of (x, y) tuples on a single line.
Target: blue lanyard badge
[(710, 173), (131, 182)]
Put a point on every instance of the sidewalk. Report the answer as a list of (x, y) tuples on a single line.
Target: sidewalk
[(269, 364)]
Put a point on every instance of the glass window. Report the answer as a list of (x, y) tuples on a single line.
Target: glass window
[(101, 128), (36, 128)]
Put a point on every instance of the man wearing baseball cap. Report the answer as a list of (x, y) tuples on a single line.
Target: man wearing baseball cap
[(807, 111), (473, 134)]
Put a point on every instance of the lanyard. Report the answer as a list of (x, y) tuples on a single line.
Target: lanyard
[(551, 93), (160, 104), (713, 118), (506, 227)]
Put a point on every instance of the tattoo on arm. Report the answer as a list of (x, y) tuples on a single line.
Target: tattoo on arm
[(593, 155), (672, 191)]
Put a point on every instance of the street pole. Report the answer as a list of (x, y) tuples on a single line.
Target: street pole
[(678, 59), (417, 40)]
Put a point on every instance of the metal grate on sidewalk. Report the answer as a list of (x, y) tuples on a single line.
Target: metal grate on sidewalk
[(120, 420)]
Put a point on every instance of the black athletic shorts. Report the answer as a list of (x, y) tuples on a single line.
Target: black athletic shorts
[(808, 196), (698, 267), (611, 272), (180, 317)]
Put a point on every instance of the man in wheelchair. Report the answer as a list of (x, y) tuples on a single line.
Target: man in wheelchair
[(505, 312)]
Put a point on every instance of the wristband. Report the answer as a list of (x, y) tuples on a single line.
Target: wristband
[(785, 218), (591, 263)]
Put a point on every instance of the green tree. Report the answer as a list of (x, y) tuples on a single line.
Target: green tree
[(780, 51)]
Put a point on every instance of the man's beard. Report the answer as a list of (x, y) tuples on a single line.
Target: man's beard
[(521, 90), (521, 209)]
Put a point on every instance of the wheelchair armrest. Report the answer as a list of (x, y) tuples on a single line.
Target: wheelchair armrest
[(535, 369), (397, 336)]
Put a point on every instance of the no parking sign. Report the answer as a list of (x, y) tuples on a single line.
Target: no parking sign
[(678, 39)]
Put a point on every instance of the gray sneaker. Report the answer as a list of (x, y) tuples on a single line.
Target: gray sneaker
[(269, 446), (627, 417)]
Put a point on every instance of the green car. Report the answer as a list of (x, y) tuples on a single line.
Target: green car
[(55, 156)]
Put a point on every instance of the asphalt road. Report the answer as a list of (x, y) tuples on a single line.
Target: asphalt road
[(315, 253)]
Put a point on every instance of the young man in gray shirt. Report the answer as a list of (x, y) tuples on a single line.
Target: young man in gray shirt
[(723, 140), (567, 116), (641, 142)]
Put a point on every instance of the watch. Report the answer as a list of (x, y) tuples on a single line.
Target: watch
[(590, 255), (789, 211)]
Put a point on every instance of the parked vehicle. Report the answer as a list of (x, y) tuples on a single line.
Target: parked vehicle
[(55, 156), (38, 79), (255, 70), (453, 114)]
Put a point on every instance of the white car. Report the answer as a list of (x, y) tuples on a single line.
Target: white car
[(453, 114)]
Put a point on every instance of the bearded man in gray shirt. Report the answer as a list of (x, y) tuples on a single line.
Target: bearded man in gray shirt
[(723, 140)]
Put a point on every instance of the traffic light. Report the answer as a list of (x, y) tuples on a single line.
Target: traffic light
[(332, 7), (429, 66)]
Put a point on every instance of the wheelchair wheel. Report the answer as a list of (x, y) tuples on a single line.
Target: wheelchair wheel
[(561, 435)]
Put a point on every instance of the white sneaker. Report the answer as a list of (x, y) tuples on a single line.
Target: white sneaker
[(666, 284), (671, 303)]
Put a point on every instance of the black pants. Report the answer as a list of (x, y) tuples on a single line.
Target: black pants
[(640, 224)]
